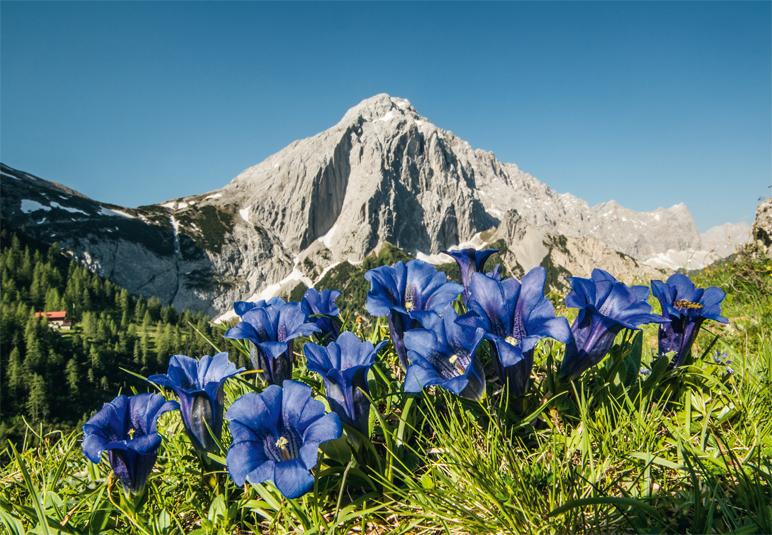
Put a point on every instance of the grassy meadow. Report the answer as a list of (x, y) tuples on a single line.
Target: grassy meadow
[(630, 446)]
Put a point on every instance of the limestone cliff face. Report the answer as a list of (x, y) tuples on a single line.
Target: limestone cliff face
[(761, 243), (382, 174)]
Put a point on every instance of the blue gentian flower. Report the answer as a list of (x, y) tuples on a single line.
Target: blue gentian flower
[(444, 353), (470, 261), (405, 293), (242, 307), (495, 273), (320, 308), (515, 316), (276, 437), (199, 386), (126, 429), (606, 306), (686, 306), (271, 327), (344, 364)]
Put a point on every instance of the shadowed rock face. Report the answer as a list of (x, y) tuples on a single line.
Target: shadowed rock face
[(382, 174)]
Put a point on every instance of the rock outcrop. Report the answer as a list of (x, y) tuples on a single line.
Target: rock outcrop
[(761, 243)]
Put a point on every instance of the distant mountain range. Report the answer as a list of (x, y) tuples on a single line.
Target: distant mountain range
[(383, 174)]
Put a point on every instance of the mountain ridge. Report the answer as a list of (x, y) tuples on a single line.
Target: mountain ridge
[(382, 174)]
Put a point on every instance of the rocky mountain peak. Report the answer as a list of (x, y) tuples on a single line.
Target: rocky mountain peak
[(380, 107)]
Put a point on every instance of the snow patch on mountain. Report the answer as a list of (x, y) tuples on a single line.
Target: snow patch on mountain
[(327, 237), (435, 259), (112, 212), (70, 209), (178, 205), (29, 206), (272, 290)]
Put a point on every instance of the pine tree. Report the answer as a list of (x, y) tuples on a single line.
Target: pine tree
[(95, 357), (34, 350), (154, 307), (136, 354), (25, 270), (14, 372), (145, 344), (89, 325), (72, 375), (53, 300), (139, 311), (37, 401), (53, 252)]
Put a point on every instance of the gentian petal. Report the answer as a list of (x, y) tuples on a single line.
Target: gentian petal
[(298, 406), (242, 331), (327, 427), (292, 478), (93, 446), (244, 457)]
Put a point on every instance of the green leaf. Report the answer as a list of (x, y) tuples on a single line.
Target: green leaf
[(12, 524), (630, 367), (43, 521), (617, 502)]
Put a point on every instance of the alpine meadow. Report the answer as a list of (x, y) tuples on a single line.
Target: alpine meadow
[(248, 287), (641, 422)]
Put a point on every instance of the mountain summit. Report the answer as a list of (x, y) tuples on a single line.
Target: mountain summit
[(382, 174)]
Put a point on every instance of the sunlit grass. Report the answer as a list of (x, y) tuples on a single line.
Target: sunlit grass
[(616, 451)]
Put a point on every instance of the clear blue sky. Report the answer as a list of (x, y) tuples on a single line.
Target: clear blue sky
[(646, 103)]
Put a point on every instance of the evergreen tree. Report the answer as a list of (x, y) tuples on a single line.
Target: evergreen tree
[(34, 350), (72, 375), (53, 300), (14, 372), (37, 402)]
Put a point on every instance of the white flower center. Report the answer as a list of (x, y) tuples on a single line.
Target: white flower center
[(282, 444), (453, 360)]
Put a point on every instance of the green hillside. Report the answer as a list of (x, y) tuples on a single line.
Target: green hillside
[(55, 377)]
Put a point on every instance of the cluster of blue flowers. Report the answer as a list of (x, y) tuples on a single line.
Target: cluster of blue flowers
[(437, 328)]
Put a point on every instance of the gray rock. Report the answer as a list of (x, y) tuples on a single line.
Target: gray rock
[(761, 243)]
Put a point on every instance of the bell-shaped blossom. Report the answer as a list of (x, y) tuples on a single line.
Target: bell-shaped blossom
[(199, 387), (344, 364), (606, 306), (321, 309), (687, 307), (242, 307), (271, 329), (276, 437), (470, 261), (405, 293), (444, 353), (496, 273), (126, 429), (515, 316)]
